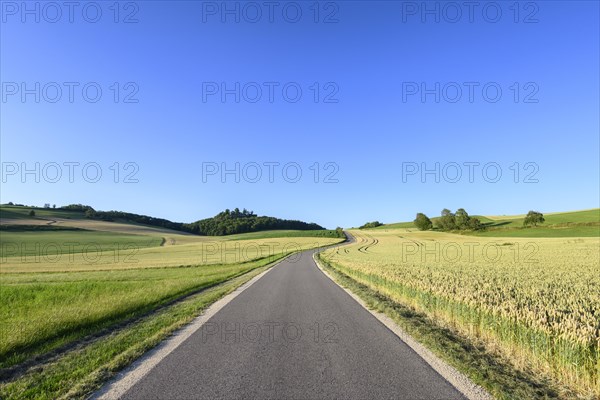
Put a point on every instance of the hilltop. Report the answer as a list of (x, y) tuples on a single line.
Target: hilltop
[(582, 223)]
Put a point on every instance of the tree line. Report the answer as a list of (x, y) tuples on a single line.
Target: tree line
[(236, 221), (228, 222), (461, 220), (449, 221)]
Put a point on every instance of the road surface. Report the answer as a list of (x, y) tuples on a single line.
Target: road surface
[(294, 334)]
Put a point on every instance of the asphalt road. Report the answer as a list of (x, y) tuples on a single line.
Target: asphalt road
[(294, 334)]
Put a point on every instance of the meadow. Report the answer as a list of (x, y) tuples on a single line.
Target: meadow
[(537, 300), (40, 312)]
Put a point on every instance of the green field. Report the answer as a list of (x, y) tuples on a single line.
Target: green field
[(42, 213), (584, 223), (56, 246), (78, 371), (398, 225), (41, 311)]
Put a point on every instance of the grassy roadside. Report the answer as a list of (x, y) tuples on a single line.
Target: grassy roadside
[(42, 312), (485, 367), (78, 373)]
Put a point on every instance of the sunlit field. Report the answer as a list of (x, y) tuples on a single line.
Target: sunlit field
[(51, 252), (537, 299)]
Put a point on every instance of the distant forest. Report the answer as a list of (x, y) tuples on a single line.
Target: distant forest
[(228, 222)]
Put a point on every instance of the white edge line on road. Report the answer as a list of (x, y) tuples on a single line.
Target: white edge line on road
[(451, 374), (126, 379)]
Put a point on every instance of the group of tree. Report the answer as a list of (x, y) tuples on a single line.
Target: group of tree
[(231, 222), (449, 221), (460, 220), (369, 225)]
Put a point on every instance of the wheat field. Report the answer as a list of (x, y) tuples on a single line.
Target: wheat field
[(536, 299)]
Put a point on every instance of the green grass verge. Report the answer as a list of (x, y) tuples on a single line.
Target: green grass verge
[(489, 369), (80, 372), (42, 312)]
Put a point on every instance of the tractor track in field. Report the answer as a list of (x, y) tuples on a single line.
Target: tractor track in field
[(368, 242), (418, 243)]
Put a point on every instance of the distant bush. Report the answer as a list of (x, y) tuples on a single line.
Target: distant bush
[(76, 207), (369, 225)]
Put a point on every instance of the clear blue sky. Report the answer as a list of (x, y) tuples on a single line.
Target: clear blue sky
[(369, 60)]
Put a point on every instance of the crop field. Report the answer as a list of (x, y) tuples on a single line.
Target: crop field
[(88, 251), (535, 299), (32, 246)]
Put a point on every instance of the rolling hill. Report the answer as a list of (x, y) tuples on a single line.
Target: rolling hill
[(584, 223)]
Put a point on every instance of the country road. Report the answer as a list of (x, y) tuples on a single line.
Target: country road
[(293, 334)]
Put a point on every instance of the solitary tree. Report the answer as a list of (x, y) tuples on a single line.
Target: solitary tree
[(533, 218), (31, 213), (423, 222)]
